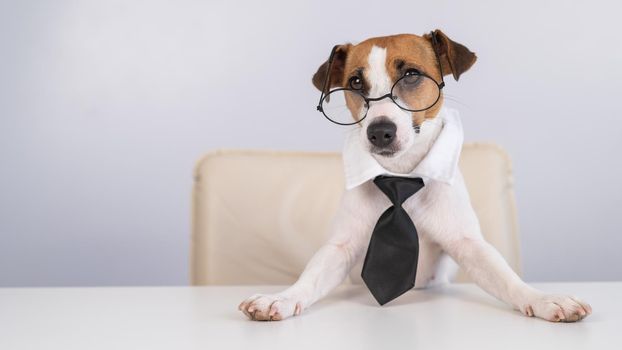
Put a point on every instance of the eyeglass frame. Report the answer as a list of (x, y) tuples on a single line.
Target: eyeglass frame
[(390, 95)]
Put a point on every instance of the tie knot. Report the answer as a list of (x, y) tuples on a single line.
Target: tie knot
[(398, 189)]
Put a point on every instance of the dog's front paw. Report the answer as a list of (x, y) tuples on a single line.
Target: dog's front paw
[(270, 307), (557, 308)]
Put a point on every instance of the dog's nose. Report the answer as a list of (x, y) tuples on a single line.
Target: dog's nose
[(381, 133)]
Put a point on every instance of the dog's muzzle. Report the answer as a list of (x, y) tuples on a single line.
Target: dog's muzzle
[(381, 133)]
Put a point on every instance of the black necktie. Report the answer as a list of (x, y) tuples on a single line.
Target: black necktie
[(390, 265)]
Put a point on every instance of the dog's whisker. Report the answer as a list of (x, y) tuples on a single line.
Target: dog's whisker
[(454, 99)]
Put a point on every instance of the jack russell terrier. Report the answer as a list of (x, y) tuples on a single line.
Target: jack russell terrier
[(390, 88)]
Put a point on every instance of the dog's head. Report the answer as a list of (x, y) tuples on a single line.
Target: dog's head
[(405, 70)]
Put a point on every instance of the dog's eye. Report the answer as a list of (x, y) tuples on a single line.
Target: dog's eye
[(411, 76), (356, 83)]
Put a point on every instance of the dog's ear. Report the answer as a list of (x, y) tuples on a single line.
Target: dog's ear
[(455, 57), (336, 74)]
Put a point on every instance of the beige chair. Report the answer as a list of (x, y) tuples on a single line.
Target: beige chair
[(259, 216)]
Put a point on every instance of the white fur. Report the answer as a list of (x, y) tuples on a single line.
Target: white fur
[(445, 220), (376, 72)]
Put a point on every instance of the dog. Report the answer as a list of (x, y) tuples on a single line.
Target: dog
[(400, 142)]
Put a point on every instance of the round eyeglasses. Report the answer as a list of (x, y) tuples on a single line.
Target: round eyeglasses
[(413, 92)]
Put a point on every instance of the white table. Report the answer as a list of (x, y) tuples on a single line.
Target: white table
[(450, 317)]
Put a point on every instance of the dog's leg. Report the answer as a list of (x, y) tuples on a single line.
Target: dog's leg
[(485, 265), (326, 269), (451, 221)]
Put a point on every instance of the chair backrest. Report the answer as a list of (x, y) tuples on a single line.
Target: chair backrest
[(258, 216)]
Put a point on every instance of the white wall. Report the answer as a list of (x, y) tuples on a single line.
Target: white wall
[(105, 106)]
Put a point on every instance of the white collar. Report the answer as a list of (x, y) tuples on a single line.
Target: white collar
[(440, 163)]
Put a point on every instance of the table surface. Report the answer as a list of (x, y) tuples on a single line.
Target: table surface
[(447, 317)]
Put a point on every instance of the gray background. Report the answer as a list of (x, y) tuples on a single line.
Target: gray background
[(106, 105)]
